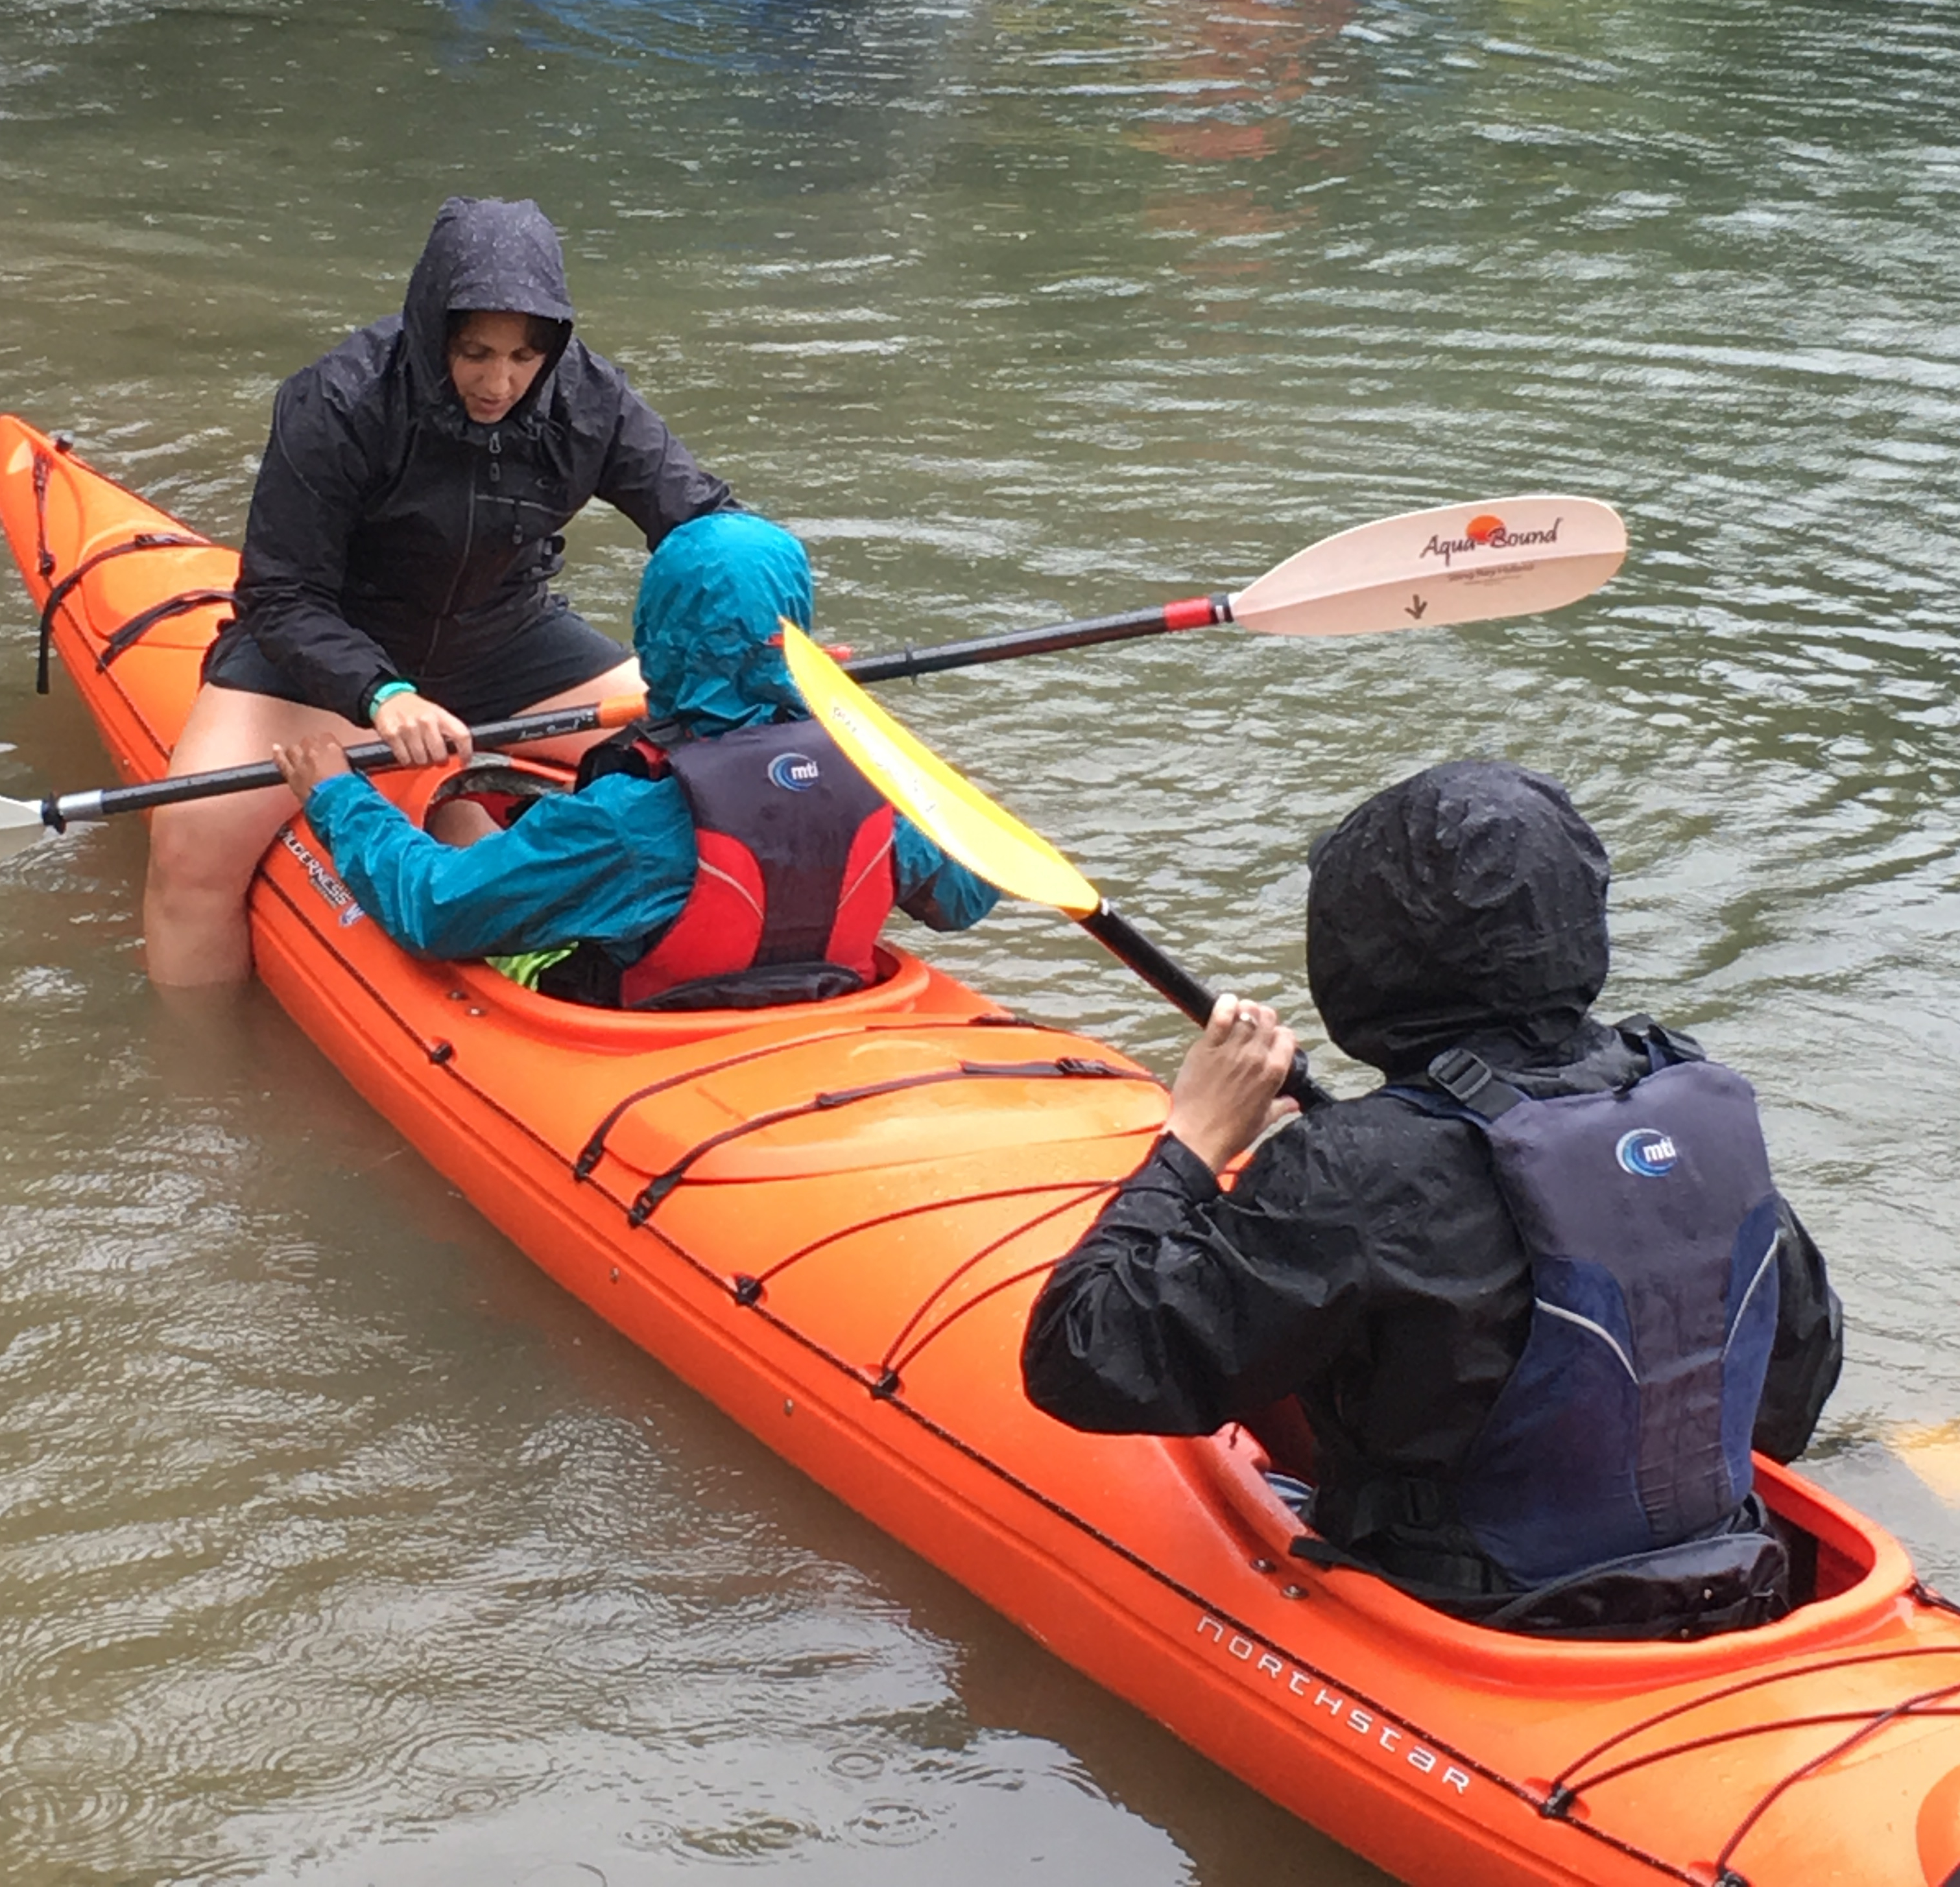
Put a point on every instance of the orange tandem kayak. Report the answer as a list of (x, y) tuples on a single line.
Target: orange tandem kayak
[(830, 1218)]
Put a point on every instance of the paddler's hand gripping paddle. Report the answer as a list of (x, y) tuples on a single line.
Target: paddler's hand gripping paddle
[(22, 822)]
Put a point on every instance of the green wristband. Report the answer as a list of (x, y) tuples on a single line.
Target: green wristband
[(387, 692)]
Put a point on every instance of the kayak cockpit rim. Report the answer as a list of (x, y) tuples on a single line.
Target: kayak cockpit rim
[(1863, 1575)]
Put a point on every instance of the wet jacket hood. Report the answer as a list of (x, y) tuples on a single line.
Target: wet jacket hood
[(1465, 905), (705, 624), (482, 254)]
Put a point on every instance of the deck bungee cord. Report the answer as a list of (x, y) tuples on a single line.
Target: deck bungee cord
[(594, 1149), (896, 1362), (44, 558), (1570, 1781), (1569, 1789), (126, 634), (747, 1289), (135, 628), (879, 1221), (893, 1362), (1725, 1876), (63, 590), (658, 1188), (1082, 1190)]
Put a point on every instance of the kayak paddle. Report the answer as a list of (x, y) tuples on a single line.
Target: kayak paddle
[(1456, 564), (986, 838), (22, 822)]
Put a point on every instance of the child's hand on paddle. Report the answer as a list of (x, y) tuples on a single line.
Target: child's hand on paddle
[(310, 760)]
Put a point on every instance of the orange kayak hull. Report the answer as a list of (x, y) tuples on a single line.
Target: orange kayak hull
[(830, 1220)]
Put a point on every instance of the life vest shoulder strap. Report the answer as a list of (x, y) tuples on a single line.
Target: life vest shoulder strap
[(1463, 1086), (639, 750), (1663, 1047)]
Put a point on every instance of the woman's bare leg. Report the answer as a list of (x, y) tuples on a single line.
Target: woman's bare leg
[(625, 679), (460, 823), (203, 854)]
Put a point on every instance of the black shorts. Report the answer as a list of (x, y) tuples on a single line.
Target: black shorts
[(557, 651)]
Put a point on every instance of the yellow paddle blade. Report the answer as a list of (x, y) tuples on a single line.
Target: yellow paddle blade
[(1933, 1454), (950, 811)]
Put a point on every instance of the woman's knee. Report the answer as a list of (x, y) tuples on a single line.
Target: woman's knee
[(623, 680), (212, 847)]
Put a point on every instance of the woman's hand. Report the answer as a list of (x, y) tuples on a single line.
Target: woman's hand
[(1227, 1093), (419, 733), (310, 760)]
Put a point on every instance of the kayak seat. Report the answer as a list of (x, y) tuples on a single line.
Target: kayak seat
[(1749, 1575), (767, 986), (505, 788)]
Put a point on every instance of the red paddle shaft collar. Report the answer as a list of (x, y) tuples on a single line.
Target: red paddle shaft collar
[(1198, 612)]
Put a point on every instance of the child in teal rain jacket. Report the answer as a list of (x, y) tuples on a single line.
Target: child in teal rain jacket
[(613, 865)]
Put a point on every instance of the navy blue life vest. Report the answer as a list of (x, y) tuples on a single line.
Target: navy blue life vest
[(795, 879), (1650, 1223)]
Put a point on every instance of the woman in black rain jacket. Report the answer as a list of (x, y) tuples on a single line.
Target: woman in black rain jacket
[(404, 534), (1366, 1265)]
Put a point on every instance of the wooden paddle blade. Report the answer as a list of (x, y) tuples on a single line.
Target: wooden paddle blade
[(948, 809), (21, 825), (1460, 563)]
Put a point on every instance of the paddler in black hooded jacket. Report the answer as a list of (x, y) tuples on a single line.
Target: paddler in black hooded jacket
[(1365, 1262), (391, 536), (399, 549)]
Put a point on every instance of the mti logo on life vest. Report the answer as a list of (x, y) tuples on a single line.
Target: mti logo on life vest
[(794, 772), (1646, 1153)]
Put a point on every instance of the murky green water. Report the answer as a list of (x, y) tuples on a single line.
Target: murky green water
[(335, 1546)]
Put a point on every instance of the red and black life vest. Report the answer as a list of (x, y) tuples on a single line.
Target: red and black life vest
[(794, 882)]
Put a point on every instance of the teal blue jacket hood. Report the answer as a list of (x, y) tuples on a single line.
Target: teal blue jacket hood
[(706, 624)]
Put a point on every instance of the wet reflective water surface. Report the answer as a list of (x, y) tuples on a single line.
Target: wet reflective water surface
[(335, 1546)]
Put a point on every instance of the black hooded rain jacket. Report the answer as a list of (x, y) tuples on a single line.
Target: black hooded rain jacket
[(1364, 1261), (391, 536)]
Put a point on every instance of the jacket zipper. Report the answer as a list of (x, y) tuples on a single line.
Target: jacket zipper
[(463, 561)]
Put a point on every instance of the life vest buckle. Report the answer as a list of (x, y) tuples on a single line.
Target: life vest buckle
[(1468, 1080)]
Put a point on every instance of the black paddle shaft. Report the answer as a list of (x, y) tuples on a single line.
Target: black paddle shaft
[(1170, 979), (369, 757), (1197, 612)]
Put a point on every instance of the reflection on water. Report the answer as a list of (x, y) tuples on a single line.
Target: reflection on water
[(335, 1546)]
